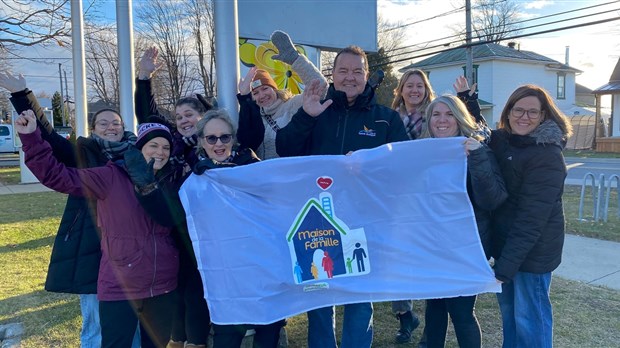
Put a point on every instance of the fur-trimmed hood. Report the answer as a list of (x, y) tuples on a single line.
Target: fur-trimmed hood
[(548, 132)]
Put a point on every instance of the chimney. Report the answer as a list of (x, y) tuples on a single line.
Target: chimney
[(512, 44), (566, 55)]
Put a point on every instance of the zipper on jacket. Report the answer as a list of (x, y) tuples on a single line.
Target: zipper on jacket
[(344, 131), (154, 260), (73, 224)]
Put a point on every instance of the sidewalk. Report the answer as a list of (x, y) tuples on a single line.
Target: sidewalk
[(22, 188), (592, 261)]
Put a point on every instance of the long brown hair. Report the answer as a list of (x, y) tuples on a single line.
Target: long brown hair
[(547, 107), (429, 94)]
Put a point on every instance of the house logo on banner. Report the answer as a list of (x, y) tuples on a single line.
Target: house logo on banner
[(322, 246)]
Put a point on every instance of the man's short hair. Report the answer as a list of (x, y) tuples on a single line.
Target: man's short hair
[(356, 51)]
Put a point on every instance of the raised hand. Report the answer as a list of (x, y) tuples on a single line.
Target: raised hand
[(148, 64), (245, 82), (26, 123), (140, 172), (461, 85), (312, 98), (11, 83), (286, 50)]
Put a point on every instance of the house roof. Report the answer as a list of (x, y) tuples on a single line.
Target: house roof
[(581, 89), (485, 51), (614, 82)]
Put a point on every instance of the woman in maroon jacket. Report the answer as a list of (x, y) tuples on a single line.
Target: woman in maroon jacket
[(139, 263)]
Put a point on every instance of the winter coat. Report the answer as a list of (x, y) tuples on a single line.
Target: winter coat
[(139, 258), (528, 229), (486, 190), (75, 256), (258, 127), (341, 128)]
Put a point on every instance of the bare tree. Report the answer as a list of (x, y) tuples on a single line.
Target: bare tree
[(101, 49), (494, 20), (164, 23), (34, 22), (203, 28)]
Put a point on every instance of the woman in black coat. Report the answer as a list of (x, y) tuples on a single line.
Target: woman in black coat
[(447, 116), (528, 229)]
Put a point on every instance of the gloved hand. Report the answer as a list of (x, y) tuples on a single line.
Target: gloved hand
[(140, 172), (286, 50)]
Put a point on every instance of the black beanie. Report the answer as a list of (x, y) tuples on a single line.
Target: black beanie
[(148, 131)]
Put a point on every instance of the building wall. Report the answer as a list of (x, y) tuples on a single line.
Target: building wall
[(497, 79), (615, 109)]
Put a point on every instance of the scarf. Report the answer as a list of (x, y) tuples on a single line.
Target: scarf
[(413, 122), (115, 149)]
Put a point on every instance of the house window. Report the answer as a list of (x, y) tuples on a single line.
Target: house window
[(561, 86), (474, 75)]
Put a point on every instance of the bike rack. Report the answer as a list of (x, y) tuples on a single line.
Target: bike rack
[(594, 198), (608, 194)]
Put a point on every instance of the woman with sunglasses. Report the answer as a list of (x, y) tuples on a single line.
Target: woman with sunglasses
[(217, 136), (447, 116), (528, 229)]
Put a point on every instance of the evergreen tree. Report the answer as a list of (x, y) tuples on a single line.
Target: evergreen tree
[(385, 92), (57, 109)]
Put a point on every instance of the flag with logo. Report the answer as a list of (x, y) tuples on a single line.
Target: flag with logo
[(284, 236)]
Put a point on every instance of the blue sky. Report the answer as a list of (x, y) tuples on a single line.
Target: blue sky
[(594, 49)]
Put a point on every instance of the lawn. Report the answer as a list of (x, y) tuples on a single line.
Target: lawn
[(585, 316), (9, 175)]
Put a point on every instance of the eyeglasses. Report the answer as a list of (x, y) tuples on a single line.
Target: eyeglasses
[(212, 139), (532, 114), (105, 124)]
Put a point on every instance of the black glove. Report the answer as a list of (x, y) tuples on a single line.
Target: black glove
[(140, 172), (245, 156)]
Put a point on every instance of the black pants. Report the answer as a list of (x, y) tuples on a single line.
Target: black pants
[(461, 310), (119, 320), (191, 319), (230, 336)]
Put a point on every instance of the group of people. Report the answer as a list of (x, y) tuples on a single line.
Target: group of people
[(123, 244)]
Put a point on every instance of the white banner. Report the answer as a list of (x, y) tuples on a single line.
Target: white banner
[(283, 236)]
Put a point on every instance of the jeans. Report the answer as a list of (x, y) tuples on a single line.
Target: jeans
[(356, 327), (90, 336), (231, 336), (461, 310), (527, 316), (191, 321)]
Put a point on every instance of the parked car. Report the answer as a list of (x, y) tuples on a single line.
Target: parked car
[(7, 139), (64, 131)]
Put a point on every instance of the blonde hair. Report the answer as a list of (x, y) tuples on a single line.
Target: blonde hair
[(216, 114), (429, 94), (464, 120), (547, 107)]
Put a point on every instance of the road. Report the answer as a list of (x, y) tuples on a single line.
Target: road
[(579, 167)]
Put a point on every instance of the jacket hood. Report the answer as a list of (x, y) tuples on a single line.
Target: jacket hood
[(548, 132), (364, 100)]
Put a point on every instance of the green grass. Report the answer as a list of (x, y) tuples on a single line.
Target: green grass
[(585, 316), (590, 154), (601, 230), (10, 175)]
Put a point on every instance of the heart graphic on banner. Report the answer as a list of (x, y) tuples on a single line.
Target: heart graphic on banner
[(324, 182)]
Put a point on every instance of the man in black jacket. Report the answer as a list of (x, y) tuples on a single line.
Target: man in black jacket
[(347, 121)]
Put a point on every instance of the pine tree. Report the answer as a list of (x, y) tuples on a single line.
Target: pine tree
[(57, 109)]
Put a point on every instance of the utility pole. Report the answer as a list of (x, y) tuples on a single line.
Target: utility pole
[(65, 108), (62, 98), (469, 64)]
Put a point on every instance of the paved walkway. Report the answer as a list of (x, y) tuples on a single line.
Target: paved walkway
[(588, 260)]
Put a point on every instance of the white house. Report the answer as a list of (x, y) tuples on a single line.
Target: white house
[(498, 70), (611, 144)]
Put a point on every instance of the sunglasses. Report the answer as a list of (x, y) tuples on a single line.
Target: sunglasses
[(212, 139)]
